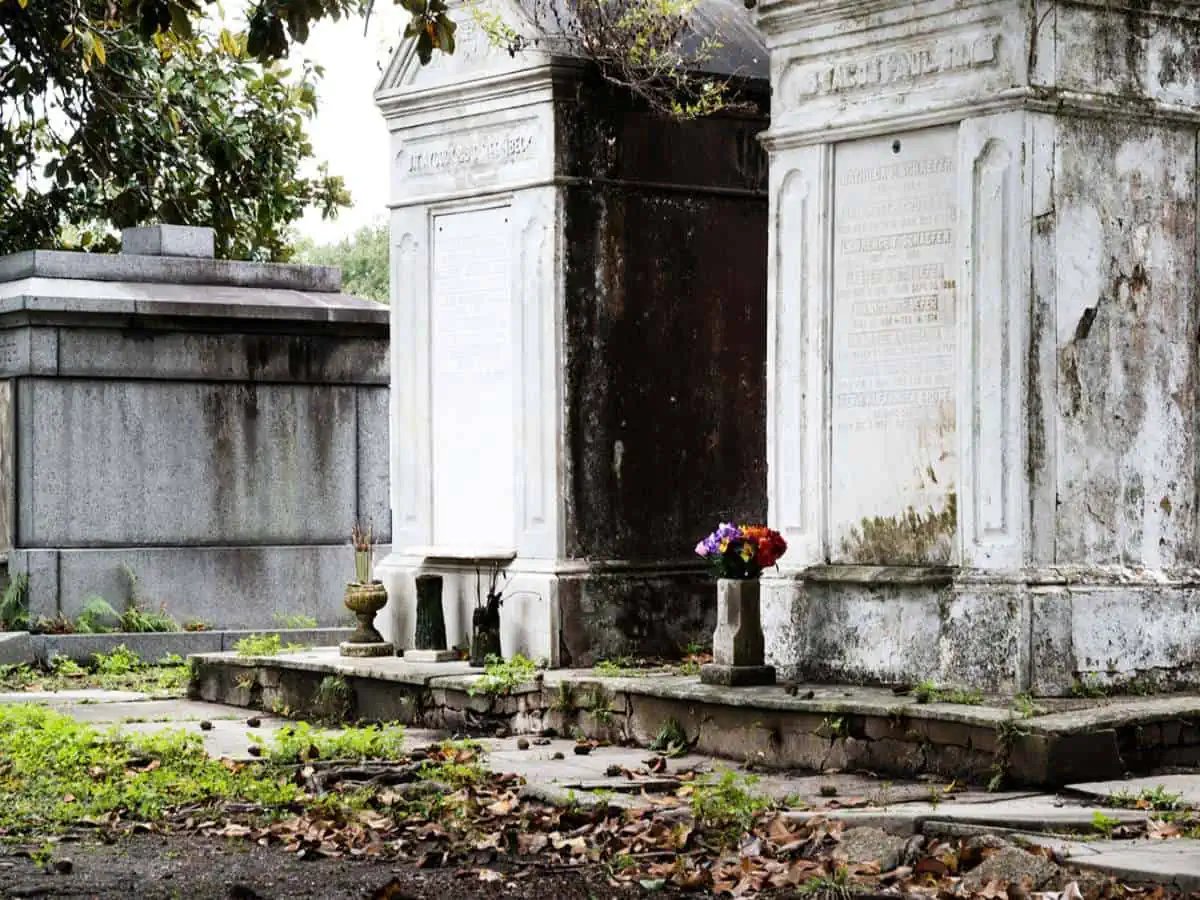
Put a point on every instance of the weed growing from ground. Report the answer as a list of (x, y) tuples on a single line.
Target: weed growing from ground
[(456, 763), (728, 805), (1157, 798), (303, 743), (118, 661), (1104, 824), (56, 772), (835, 886), (671, 739)]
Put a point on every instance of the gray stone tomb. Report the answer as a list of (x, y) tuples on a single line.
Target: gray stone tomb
[(982, 341), (212, 427)]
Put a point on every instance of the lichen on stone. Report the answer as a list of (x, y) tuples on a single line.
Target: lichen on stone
[(908, 539)]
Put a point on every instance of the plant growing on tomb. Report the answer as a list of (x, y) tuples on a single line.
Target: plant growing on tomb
[(502, 677), (14, 604), (651, 48), (741, 551)]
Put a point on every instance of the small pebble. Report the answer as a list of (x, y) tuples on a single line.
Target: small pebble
[(522, 744), (254, 721), (612, 771), (64, 866), (206, 725), (541, 742), (558, 755), (583, 749), (254, 750)]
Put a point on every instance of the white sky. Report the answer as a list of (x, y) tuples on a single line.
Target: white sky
[(348, 132)]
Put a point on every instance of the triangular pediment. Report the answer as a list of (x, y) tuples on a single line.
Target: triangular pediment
[(475, 55)]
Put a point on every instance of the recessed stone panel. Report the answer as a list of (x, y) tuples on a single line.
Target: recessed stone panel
[(473, 371), (895, 248)]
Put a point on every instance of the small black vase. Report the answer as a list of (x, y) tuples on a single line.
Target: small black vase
[(485, 635)]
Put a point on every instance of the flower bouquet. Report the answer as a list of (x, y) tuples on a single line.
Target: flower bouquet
[(742, 551)]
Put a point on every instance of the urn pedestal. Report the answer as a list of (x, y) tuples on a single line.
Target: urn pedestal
[(739, 656)]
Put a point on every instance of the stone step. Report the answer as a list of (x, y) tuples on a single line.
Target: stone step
[(817, 727)]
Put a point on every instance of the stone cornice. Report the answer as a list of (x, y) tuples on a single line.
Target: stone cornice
[(775, 16), (1058, 102), (401, 103)]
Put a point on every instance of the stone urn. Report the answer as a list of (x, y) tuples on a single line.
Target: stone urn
[(365, 601), (739, 655)]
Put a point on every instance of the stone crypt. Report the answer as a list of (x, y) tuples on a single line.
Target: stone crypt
[(578, 336), (983, 364)]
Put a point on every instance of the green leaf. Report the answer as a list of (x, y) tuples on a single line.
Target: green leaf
[(181, 22)]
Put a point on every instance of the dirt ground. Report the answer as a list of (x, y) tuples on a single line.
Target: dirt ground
[(156, 867)]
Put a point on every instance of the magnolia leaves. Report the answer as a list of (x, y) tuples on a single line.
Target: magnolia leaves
[(430, 25)]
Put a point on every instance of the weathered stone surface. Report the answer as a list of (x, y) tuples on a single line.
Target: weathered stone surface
[(154, 646), (143, 463), (554, 796), (582, 487), (1032, 392), (738, 639), (159, 270), (163, 429), (1012, 866), (737, 676), (224, 587), (168, 240), (865, 845), (382, 648), (16, 648)]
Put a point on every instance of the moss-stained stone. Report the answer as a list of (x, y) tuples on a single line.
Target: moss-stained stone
[(910, 539)]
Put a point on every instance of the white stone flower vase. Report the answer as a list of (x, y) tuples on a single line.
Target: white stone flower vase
[(738, 647)]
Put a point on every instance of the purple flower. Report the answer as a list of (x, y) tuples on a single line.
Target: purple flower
[(728, 531)]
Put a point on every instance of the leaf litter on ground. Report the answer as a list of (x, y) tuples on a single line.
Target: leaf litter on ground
[(439, 807)]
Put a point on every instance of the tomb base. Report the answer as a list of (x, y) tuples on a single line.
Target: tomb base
[(563, 612), (430, 656), (737, 676), (382, 648), (1050, 632)]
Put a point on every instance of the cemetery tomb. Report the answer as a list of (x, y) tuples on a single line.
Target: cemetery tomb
[(578, 342), (982, 357)]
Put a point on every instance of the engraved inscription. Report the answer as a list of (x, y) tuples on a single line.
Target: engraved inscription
[(469, 153), (901, 66), (894, 328)]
